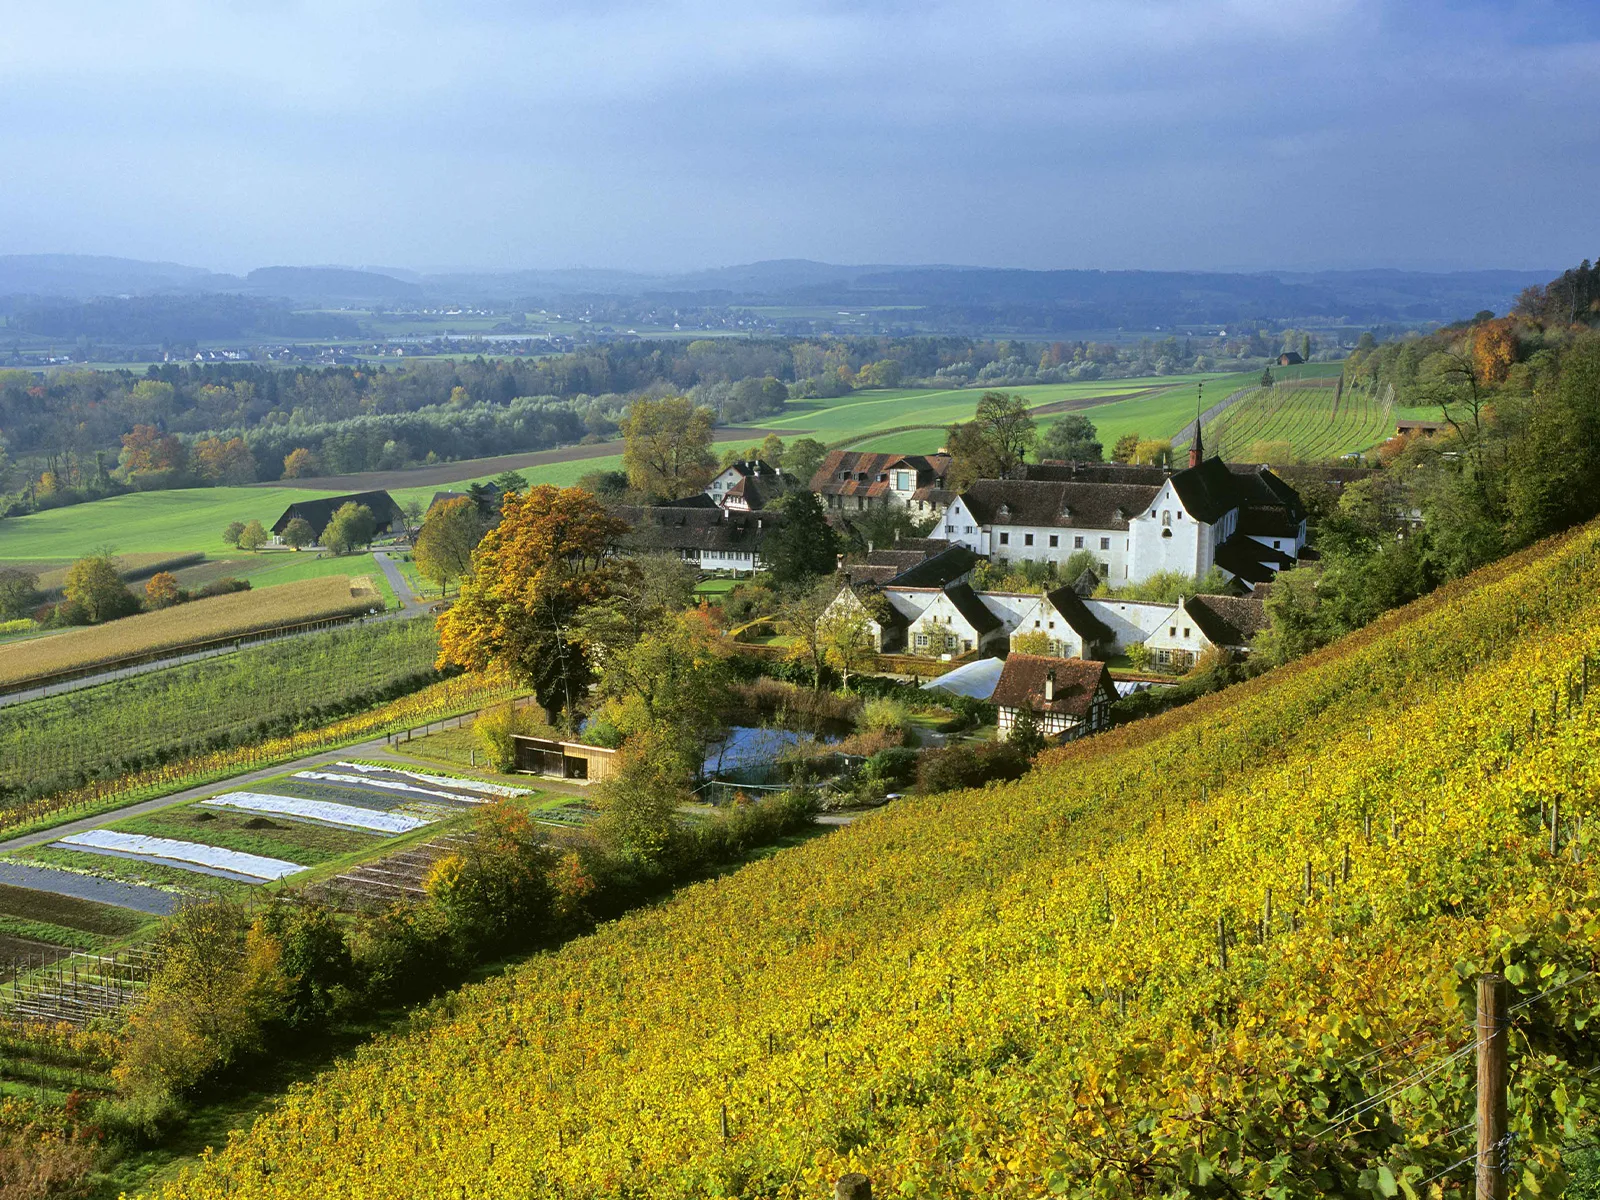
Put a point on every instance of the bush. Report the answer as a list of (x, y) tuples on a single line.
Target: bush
[(495, 729), (221, 587), (893, 768), (884, 714), (313, 959), (140, 1119), (965, 766), (496, 889), (404, 952)]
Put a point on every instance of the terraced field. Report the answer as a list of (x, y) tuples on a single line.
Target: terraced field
[(1298, 424)]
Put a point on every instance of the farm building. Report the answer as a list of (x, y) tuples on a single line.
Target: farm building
[(1068, 697), (563, 760), (750, 485), (855, 481), (1425, 428), (1290, 358), (317, 513), (1200, 623), (1244, 519), (954, 621), (712, 538)]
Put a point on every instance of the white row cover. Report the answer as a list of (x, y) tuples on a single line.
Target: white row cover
[(392, 785), (469, 785), (254, 865), (326, 811)]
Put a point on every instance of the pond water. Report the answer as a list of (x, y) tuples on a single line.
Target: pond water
[(748, 748)]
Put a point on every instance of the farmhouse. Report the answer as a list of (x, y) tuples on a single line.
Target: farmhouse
[(712, 538), (317, 513), (1290, 358), (1244, 519), (954, 621), (1200, 623), (750, 485), (853, 481), (1068, 697)]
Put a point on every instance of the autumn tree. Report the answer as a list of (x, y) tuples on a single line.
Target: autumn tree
[(232, 531), (152, 459), (772, 450), (803, 456), (1127, 446), (667, 452), (645, 590), (805, 620), (1032, 641), (449, 535), (845, 633), (298, 533), (991, 445), (638, 803), (548, 558), (1494, 350), (351, 527), (19, 593), (94, 588), (1157, 452), (673, 678), (301, 463), (162, 590), (224, 462), (253, 536)]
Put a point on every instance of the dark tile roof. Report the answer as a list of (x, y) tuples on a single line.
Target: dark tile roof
[(945, 567), (440, 497), (1075, 612), (662, 528), (1207, 491), (1275, 522), (1078, 682), (867, 573), (317, 513), (751, 466), (760, 491), (1087, 582), (857, 473), (1065, 472), (1227, 620), (698, 500), (1250, 560), (1057, 505), (970, 607)]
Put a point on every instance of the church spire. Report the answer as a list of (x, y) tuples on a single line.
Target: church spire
[(1197, 451)]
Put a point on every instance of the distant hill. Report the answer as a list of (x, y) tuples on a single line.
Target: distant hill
[(951, 297)]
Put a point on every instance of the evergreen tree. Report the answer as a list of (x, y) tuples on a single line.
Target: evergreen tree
[(804, 545)]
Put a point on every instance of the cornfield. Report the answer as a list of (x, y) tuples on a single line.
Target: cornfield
[(214, 618)]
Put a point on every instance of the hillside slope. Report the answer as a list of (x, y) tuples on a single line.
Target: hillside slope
[(1017, 991)]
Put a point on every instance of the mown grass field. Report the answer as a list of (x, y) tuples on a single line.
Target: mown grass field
[(199, 620), (1310, 422), (1233, 945)]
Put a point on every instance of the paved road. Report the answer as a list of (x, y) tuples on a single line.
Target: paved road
[(411, 606)]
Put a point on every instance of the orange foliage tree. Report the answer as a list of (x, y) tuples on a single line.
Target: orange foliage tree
[(221, 461), (300, 463), (548, 558), (163, 591), (1494, 350)]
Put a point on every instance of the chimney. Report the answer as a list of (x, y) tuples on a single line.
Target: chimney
[(1050, 686)]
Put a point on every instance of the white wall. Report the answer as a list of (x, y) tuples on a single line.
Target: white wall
[(1130, 620)]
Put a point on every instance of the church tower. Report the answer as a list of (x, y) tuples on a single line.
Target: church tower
[(1197, 452)]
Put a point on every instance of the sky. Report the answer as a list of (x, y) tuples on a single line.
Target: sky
[(670, 135)]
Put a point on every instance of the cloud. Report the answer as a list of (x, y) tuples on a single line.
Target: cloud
[(685, 133)]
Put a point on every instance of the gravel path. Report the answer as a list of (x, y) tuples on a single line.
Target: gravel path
[(91, 887)]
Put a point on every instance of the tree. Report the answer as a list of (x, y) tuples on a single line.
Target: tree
[(19, 593), (772, 450), (449, 535), (298, 533), (1032, 641), (350, 527), (1139, 655), (674, 678), (412, 514), (150, 458), (1156, 452), (803, 545), (232, 532), (1127, 446), (667, 452), (803, 457), (531, 574), (610, 484), (511, 481), (1025, 737), (253, 536), (224, 462), (638, 803), (992, 445), (94, 587), (1266, 377), (301, 463), (803, 620), (162, 590), (846, 638), (1071, 438), (646, 590)]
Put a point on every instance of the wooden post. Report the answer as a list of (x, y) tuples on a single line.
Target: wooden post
[(854, 1186), (1222, 943), (1555, 827), (1491, 1038)]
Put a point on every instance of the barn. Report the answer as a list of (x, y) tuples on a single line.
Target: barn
[(317, 513)]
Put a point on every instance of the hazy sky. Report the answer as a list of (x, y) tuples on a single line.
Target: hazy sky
[(1037, 133)]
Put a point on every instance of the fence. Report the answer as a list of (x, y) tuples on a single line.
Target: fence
[(400, 737), (75, 988)]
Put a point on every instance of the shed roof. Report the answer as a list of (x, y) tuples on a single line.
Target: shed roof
[(1067, 602), (1227, 620)]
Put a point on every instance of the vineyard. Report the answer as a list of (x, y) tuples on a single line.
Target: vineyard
[(1298, 424), (56, 743), (1222, 951), (171, 629)]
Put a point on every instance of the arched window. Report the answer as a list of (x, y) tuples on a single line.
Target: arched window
[(1166, 518)]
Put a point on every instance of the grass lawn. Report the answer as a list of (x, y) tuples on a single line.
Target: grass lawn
[(715, 587)]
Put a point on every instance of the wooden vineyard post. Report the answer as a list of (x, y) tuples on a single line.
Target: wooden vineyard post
[(1491, 1040), (1222, 943), (854, 1186), (1555, 827)]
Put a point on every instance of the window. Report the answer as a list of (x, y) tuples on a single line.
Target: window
[(1105, 543), (1105, 569), (952, 529), (1166, 533), (1077, 543), (1052, 624), (1005, 539), (1054, 541), (1027, 539), (1275, 545), (1172, 631), (1180, 514), (1166, 519), (902, 481), (1185, 631), (966, 643), (969, 528)]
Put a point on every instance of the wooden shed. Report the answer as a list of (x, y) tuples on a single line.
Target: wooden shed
[(564, 760)]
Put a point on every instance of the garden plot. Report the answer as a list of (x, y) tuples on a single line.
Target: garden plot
[(327, 812), (190, 856), (482, 787)]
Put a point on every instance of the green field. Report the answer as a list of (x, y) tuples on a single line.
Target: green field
[(1308, 420)]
